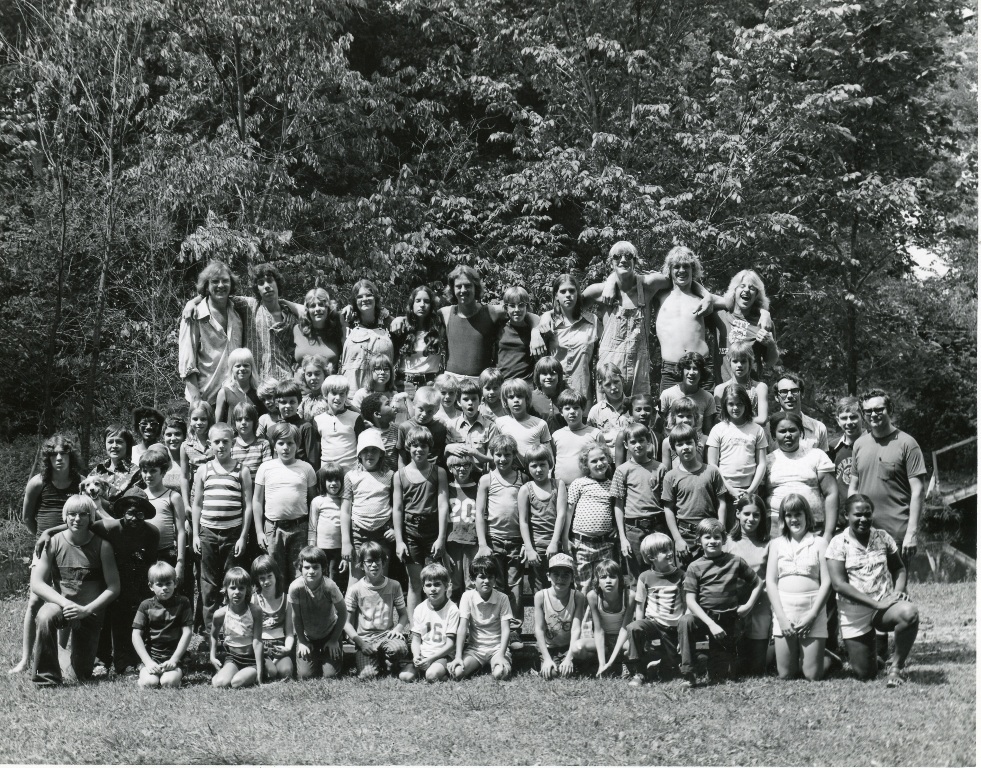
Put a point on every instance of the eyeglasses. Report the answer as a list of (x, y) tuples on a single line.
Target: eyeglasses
[(149, 423), (878, 410), (795, 391)]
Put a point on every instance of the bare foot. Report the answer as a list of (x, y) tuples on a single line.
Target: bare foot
[(20, 667)]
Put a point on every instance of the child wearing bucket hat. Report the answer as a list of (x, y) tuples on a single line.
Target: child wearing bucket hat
[(366, 512), (559, 609)]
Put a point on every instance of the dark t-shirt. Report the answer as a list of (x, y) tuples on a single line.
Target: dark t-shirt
[(715, 582), (470, 341), (545, 408), (841, 457), (162, 623), (135, 549), (439, 432), (514, 351)]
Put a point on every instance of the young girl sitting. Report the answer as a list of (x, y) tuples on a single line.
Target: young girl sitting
[(277, 619), (749, 539), (549, 382), (611, 606), (314, 369), (239, 387), (591, 531), (240, 622), (737, 446), (682, 411), (528, 431), (798, 584)]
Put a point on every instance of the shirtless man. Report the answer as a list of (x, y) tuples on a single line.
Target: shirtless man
[(680, 327)]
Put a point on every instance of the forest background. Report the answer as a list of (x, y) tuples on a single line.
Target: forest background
[(824, 144)]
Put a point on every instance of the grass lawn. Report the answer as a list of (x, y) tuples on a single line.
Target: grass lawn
[(929, 721)]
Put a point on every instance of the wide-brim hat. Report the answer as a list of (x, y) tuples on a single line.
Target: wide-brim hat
[(134, 500), (370, 438)]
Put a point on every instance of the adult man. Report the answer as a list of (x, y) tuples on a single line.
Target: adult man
[(790, 393), (888, 467)]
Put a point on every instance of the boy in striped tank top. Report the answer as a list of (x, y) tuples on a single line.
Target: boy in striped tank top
[(220, 516)]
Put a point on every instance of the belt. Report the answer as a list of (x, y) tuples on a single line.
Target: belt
[(290, 525), (591, 539), (644, 523), (417, 378), (728, 613)]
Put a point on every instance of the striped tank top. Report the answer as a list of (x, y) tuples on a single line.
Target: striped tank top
[(221, 502)]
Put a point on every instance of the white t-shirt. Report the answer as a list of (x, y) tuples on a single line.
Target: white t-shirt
[(797, 472), (328, 521), (485, 617), (567, 447), (285, 488), (738, 446), (433, 627)]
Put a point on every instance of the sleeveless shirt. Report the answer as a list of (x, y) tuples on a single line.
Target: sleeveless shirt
[(558, 621), (51, 502), (420, 510), (221, 503), (470, 341), (238, 628)]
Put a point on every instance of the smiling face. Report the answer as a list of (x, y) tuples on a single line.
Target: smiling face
[(92, 487), (374, 570), (77, 520), (796, 522), (318, 309), (334, 486), (860, 519), (463, 290), (788, 394), (448, 398), (172, 438), (516, 312), (597, 463), (492, 393), (149, 427), (712, 543), (199, 424), (371, 458), (623, 262), (691, 376), (681, 274), (877, 413), (336, 401), (419, 453), (220, 286), (548, 380), (503, 458), (850, 422), (749, 519), (747, 294), (461, 472), (116, 448), (364, 302), (242, 373), (641, 411)]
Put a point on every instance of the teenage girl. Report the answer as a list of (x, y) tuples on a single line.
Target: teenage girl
[(571, 334), (737, 446), (277, 619), (421, 347), (750, 539), (44, 499), (611, 606), (239, 387), (241, 624)]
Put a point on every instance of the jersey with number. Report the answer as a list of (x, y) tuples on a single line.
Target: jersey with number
[(377, 606), (463, 513), (433, 627)]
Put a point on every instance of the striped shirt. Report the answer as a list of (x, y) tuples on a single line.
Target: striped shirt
[(221, 500), (251, 455)]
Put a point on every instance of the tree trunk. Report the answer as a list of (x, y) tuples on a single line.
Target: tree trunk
[(47, 406), (88, 412)]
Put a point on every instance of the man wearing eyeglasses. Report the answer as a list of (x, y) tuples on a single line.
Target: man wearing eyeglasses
[(888, 467), (790, 393)]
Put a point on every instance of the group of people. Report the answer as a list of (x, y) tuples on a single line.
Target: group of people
[(437, 461)]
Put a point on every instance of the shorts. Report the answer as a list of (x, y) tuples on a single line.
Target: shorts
[(420, 551), (242, 656), (483, 657), (274, 644), (759, 623), (856, 620), (795, 605), (361, 535)]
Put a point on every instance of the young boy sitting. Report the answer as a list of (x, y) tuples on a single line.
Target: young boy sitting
[(559, 610), (162, 630), (319, 616), (660, 604), (692, 492), (485, 621), (377, 606), (711, 594), (434, 624)]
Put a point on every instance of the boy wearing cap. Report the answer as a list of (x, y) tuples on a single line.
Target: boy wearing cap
[(558, 618), (366, 509)]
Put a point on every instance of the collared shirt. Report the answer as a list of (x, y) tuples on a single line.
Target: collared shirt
[(203, 348), (476, 434), (572, 344)]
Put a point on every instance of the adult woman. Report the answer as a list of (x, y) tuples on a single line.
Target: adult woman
[(807, 471), (746, 317), (209, 330), (118, 470), (571, 334), (270, 323), (367, 334), (319, 330), (421, 347)]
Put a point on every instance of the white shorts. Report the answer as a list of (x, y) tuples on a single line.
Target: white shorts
[(795, 605), (484, 656)]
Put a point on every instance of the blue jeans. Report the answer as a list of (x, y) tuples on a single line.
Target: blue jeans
[(84, 642), (284, 540), (217, 557)]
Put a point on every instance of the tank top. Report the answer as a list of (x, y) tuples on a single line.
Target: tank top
[(221, 505), (238, 628), (502, 507), (610, 622), (558, 621), (542, 516), (273, 619), (172, 478), (513, 355), (51, 502), (78, 568), (470, 342), (420, 510), (165, 519)]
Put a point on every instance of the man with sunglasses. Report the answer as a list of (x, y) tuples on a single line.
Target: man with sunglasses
[(888, 467)]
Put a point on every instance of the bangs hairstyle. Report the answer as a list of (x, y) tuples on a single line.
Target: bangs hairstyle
[(419, 435), (306, 325), (331, 471), (266, 270), (637, 432), (515, 387), (607, 371), (516, 294), (682, 255), (710, 525), (684, 405), (548, 364), (155, 457), (458, 461), (848, 404), (654, 544), (462, 270), (427, 396), (747, 276), (289, 388), (118, 430), (356, 316), (161, 571), (502, 443), (682, 433), (566, 279), (540, 452), (315, 361), (221, 429), (202, 406), (491, 377), (435, 572), (794, 502), (793, 418), (241, 355), (447, 382), (587, 449), (734, 391), (175, 422), (245, 410), (61, 443), (335, 384), (470, 388), (262, 566), (484, 565), (741, 350), (612, 568), (237, 577), (311, 554), (372, 550), (282, 430), (215, 269), (267, 388), (762, 534), (382, 362), (570, 396), (78, 503), (693, 358)]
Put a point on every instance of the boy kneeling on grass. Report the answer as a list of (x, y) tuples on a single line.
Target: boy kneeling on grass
[(434, 625), (162, 630), (485, 624), (559, 610)]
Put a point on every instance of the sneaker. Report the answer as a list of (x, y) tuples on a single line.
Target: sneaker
[(369, 672), (514, 641), (100, 670), (636, 681), (895, 678), (690, 680), (832, 662), (130, 671)]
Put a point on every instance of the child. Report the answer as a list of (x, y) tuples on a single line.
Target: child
[(174, 433), (366, 512), (239, 387), (195, 450), (641, 411), (288, 396), (324, 529), (798, 584), (267, 394), (548, 381), (692, 366), (692, 491), (660, 604), (608, 413), (541, 515), (559, 610), (570, 439), (426, 404), (498, 523), (461, 542), (750, 539), (714, 608), (514, 340), (491, 407), (247, 449), (636, 492), (333, 435), (284, 488), (277, 619), (737, 446), (682, 411), (44, 500), (220, 515), (169, 519), (740, 355), (434, 626), (591, 529), (377, 412), (448, 387), (147, 423), (314, 369), (848, 413), (485, 621), (383, 381), (162, 630), (420, 508), (239, 622), (528, 431), (319, 615), (377, 606), (611, 607), (472, 427)]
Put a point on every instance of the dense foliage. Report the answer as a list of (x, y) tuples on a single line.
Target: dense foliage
[(826, 144)]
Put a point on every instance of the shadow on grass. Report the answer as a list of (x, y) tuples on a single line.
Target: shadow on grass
[(927, 676), (944, 653)]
